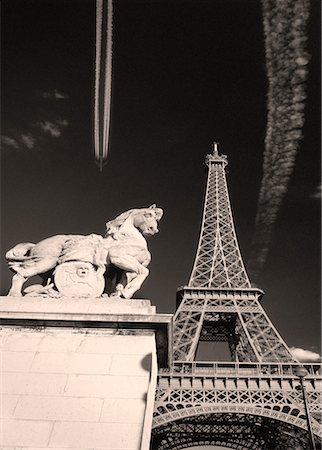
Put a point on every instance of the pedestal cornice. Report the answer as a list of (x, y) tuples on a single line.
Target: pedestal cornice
[(118, 315)]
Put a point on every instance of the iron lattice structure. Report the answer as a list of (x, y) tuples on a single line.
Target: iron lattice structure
[(252, 401)]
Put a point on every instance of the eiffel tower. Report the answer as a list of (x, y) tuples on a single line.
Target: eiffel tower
[(257, 399)]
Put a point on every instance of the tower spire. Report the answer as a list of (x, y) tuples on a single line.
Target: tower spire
[(215, 146), (218, 261)]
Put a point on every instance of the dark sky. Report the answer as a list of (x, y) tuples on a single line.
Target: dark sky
[(185, 73)]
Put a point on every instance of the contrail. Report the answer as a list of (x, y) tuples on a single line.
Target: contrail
[(103, 79), (285, 31)]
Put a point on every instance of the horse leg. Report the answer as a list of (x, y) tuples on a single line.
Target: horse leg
[(16, 285), (136, 273), (120, 282), (135, 284), (24, 273), (124, 281)]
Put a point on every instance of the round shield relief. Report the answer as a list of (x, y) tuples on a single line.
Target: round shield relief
[(78, 279)]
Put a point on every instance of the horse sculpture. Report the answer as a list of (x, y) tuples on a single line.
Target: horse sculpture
[(79, 262)]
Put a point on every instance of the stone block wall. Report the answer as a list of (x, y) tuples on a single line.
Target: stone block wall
[(67, 388), (76, 387)]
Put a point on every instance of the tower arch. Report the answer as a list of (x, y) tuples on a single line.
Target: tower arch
[(232, 429)]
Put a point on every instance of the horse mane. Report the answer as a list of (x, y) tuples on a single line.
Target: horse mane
[(114, 225)]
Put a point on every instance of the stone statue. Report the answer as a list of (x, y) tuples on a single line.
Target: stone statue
[(79, 264)]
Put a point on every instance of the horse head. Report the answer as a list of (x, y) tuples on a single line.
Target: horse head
[(144, 219), (147, 220)]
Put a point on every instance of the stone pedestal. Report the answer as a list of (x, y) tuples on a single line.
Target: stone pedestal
[(80, 373)]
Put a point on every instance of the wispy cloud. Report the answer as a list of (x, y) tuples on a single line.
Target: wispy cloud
[(22, 140), (44, 122), (9, 142), (318, 192), (54, 95), (53, 127), (62, 122), (286, 67), (28, 140), (305, 355)]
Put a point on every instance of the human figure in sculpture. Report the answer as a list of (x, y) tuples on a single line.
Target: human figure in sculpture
[(124, 246)]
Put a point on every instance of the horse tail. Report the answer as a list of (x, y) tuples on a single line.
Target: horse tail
[(19, 251)]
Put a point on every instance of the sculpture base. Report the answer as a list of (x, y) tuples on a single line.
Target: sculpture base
[(80, 373), (68, 305)]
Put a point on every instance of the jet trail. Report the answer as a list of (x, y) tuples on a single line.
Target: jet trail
[(285, 31), (103, 79)]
